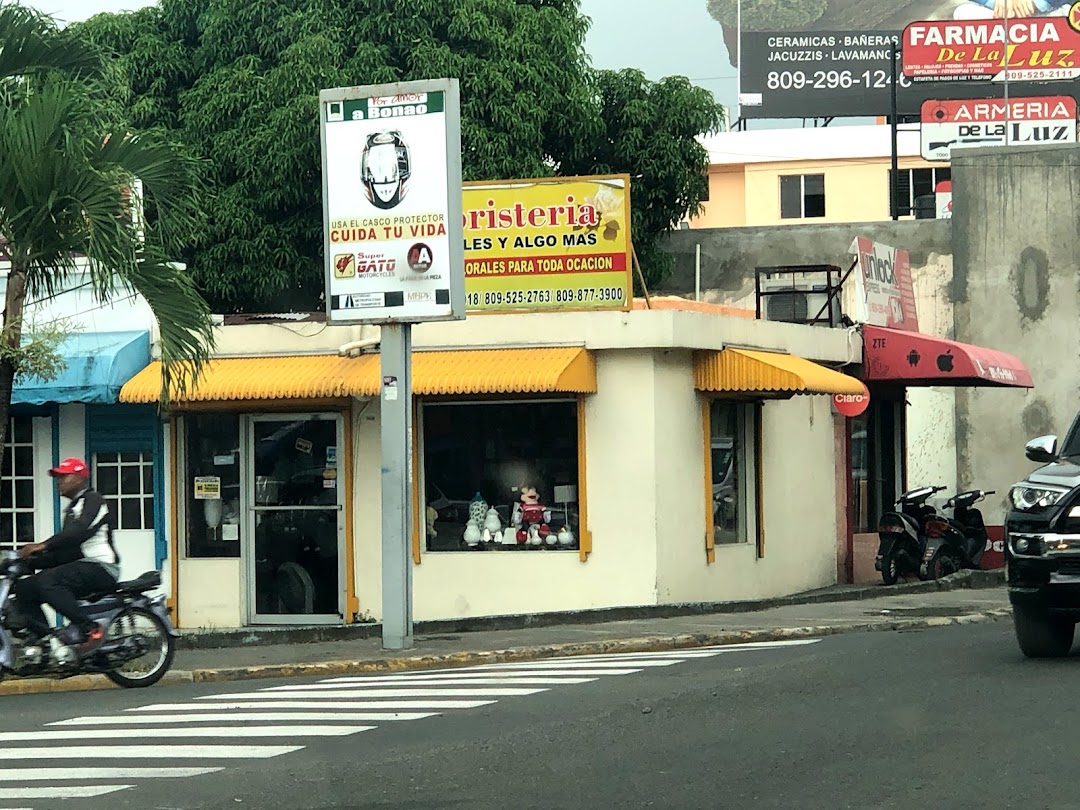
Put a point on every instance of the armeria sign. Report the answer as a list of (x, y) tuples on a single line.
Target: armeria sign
[(1034, 49), (884, 293), (992, 122)]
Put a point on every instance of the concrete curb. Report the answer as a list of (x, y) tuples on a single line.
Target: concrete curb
[(259, 636), (474, 658)]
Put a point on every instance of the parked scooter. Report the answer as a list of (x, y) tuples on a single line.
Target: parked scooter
[(955, 543), (901, 536), (140, 640)]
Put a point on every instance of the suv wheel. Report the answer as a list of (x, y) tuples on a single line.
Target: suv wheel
[(1041, 635)]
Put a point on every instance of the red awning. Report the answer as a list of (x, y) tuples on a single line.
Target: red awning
[(913, 358)]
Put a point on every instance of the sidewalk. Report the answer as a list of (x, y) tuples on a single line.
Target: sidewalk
[(908, 607)]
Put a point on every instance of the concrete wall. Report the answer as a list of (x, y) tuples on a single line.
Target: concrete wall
[(730, 255), (800, 528), (931, 412), (1015, 288), (638, 329)]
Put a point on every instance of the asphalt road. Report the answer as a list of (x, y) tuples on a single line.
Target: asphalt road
[(952, 717)]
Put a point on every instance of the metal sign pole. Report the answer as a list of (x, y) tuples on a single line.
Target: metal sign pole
[(393, 249), (395, 356), (894, 184)]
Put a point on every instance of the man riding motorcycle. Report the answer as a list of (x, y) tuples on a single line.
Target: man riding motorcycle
[(77, 561)]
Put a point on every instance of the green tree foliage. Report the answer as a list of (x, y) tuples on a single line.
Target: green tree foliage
[(767, 15), (649, 130), (63, 209), (239, 80)]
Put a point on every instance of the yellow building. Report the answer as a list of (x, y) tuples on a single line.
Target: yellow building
[(824, 174)]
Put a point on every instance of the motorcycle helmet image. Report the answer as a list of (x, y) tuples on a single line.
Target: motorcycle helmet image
[(385, 169)]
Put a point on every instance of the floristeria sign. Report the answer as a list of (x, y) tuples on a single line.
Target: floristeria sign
[(556, 243), (1035, 49)]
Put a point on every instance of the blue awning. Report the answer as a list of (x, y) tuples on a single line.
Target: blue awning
[(98, 365)]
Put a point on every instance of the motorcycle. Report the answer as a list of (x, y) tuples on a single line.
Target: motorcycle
[(137, 627), (900, 535), (955, 543)]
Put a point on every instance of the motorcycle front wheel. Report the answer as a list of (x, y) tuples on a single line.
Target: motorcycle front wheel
[(890, 569), (136, 626), (940, 565)]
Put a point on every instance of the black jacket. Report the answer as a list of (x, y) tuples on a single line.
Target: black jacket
[(86, 533)]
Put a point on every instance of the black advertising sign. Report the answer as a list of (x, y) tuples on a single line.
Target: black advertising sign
[(822, 74)]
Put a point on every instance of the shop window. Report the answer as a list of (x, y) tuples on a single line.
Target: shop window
[(212, 466), (17, 485), (734, 469), (126, 481), (914, 183), (500, 476), (802, 196)]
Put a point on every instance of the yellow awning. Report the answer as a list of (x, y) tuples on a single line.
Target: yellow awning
[(751, 372), (477, 371)]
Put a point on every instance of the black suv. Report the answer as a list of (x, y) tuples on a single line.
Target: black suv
[(1042, 547)]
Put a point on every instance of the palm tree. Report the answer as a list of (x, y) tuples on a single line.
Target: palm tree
[(32, 44), (66, 203)]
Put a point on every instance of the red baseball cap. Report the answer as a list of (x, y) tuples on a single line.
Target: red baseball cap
[(71, 466)]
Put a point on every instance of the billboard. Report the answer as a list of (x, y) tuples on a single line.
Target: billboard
[(883, 286), (548, 244), (1036, 49), (989, 122), (825, 58), (392, 202)]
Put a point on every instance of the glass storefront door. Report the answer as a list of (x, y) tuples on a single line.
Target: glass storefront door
[(296, 519)]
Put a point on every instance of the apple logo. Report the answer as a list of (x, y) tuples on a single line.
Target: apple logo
[(913, 358), (945, 361)]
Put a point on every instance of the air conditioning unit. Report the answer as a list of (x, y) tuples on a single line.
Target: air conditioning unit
[(797, 298)]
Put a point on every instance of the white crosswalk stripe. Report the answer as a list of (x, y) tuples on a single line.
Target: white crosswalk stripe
[(494, 680), (466, 677), (67, 774), (125, 719), (366, 692), (571, 664), (230, 726), (203, 732), (98, 753), (316, 704), (77, 792)]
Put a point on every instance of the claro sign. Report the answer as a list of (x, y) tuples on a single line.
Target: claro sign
[(1036, 49)]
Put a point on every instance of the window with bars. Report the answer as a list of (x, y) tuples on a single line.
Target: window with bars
[(126, 482), (914, 183), (17, 485)]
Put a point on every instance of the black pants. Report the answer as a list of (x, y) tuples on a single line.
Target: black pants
[(61, 587)]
